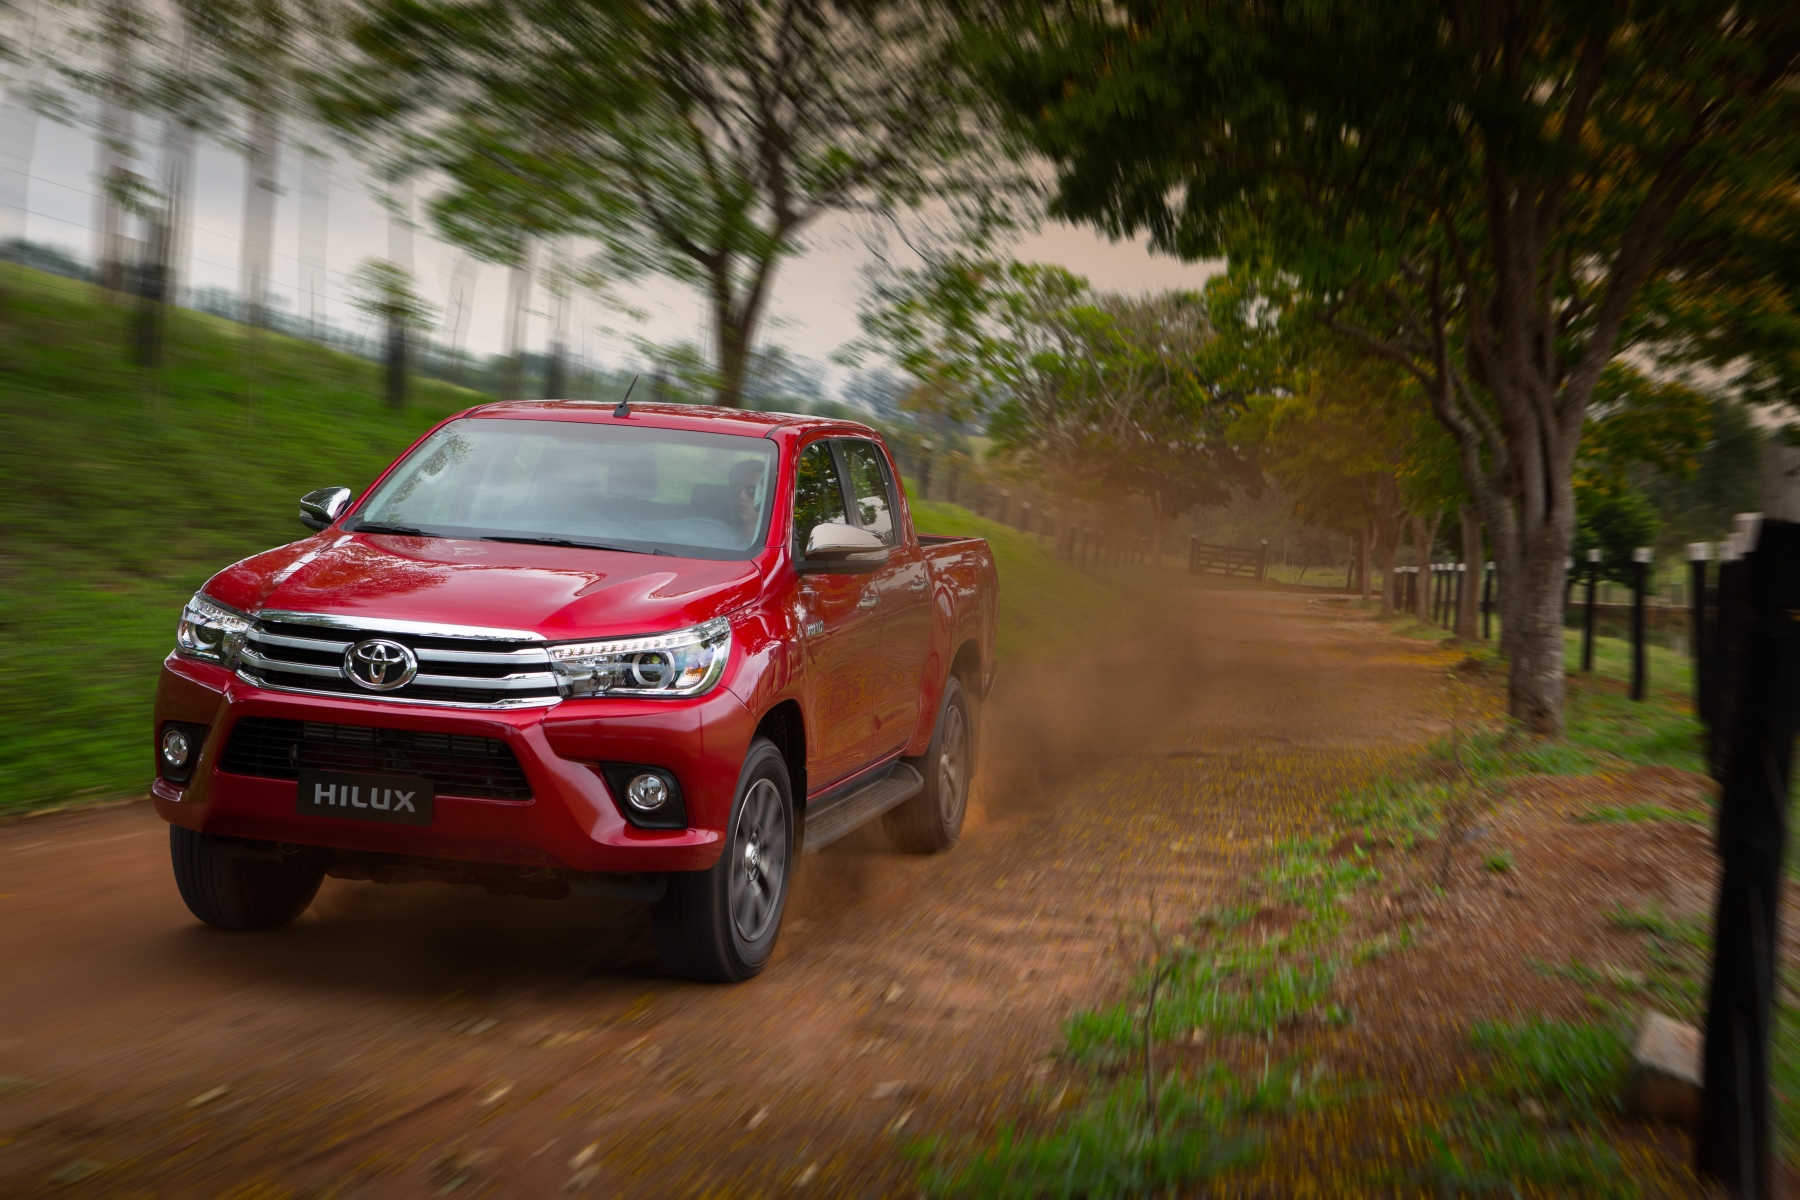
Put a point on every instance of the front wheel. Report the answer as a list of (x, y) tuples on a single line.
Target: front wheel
[(240, 893), (931, 821), (719, 925)]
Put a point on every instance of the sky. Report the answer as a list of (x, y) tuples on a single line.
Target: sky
[(813, 310)]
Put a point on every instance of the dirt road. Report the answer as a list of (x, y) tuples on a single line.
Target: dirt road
[(416, 1041)]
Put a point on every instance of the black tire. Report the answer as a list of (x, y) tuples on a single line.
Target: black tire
[(720, 925), (240, 893), (931, 821)]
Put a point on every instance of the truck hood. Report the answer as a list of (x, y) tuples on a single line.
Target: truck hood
[(554, 591)]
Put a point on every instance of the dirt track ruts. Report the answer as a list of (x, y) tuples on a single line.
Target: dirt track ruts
[(402, 1041)]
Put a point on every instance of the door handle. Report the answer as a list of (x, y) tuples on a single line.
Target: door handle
[(918, 585), (869, 600)]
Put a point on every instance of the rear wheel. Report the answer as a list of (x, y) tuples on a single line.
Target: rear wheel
[(931, 821), (719, 925), (240, 893)]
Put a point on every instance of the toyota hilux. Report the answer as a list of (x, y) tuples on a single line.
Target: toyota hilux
[(653, 652)]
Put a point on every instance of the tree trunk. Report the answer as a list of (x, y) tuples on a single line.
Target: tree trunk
[(1390, 593), (734, 357), (518, 312), (396, 363), (159, 272), (113, 146), (1535, 692), (1424, 538), (18, 143), (556, 382), (152, 291), (1387, 537), (261, 168), (1362, 561), (1468, 612), (315, 211)]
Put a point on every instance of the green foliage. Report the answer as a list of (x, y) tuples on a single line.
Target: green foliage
[(1106, 1149), (1535, 1116), (1640, 814), (384, 290), (1497, 1155), (1727, 479), (1099, 394), (1576, 1068), (1615, 520)]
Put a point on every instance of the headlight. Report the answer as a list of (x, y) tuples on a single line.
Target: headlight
[(210, 632), (684, 663)]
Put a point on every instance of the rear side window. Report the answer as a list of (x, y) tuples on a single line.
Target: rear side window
[(870, 488), (818, 495)]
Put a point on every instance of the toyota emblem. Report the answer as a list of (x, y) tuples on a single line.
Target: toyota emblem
[(380, 665)]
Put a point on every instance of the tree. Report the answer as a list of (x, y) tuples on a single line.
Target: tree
[(1164, 424), (698, 140), (1339, 430), (1498, 197), (253, 53), (383, 289), (1093, 392)]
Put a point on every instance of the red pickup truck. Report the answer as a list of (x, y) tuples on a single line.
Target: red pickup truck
[(652, 652)]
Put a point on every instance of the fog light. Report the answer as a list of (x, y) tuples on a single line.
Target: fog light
[(176, 748), (647, 792)]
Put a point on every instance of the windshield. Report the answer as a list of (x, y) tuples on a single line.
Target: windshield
[(699, 495)]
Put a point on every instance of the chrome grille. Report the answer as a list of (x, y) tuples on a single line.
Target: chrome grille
[(463, 666)]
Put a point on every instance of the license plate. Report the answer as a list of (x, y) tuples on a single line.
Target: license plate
[(401, 799)]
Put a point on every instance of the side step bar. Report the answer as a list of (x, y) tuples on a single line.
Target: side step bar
[(839, 815)]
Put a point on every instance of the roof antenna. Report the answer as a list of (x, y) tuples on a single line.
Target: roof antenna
[(624, 408)]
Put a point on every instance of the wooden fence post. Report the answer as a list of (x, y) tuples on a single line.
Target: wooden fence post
[(1487, 601), (1262, 560), (1587, 616), (1640, 586), (1698, 553), (1731, 1143)]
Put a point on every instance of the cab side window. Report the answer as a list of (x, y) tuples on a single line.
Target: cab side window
[(818, 495), (870, 487)]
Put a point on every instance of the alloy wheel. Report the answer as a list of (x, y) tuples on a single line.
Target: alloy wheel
[(759, 849)]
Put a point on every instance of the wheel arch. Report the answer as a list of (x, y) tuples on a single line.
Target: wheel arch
[(785, 726), (966, 666)]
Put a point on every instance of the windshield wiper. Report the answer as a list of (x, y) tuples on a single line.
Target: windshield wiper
[(378, 527), (556, 541)]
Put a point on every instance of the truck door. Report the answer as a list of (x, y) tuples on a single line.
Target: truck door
[(903, 589), (838, 630)]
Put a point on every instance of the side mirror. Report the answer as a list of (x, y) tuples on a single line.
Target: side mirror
[(323, 507), (842, 550)]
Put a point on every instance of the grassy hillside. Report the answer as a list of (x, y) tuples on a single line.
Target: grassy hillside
[(125, 489)]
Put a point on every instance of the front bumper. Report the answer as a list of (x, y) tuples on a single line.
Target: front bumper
[(571, 821)]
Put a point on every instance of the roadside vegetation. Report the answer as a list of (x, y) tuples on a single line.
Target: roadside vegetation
[(1217, 1061)]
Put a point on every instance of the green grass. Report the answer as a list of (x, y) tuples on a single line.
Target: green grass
[(1641, 814), (1535, 1115), (1105, 1148), (1046, 607), (126, 489), (1667, 670)]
